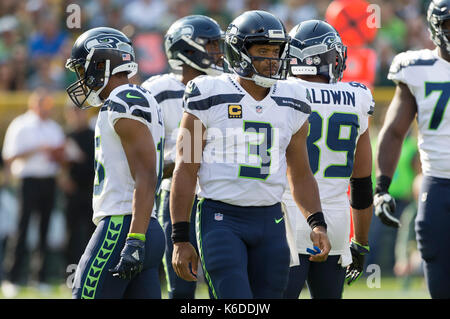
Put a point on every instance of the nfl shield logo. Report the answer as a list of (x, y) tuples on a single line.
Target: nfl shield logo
[(259, 109), (218, 216)]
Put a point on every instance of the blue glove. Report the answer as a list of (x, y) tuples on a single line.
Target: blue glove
[(356, 268), (385, 208), (131, 259)]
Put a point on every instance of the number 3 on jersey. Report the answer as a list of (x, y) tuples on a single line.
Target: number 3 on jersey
[(262, 150), (335, 143)]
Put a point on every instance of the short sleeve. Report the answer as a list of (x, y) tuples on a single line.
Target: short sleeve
[(367, 108), (196, 102), (302, 110), (130, 104), (397, 69), (10, 144)]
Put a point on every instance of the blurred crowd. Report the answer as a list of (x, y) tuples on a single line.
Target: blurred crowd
[(35, 40)]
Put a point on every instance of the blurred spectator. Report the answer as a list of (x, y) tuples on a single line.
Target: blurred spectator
[(145, 14), (215, 9), (384, 59), (177, 10), (32, 150), (8, 36), (49, 38), (382, 238), (408, 261), (393, 29), (292, 12), (104, 13), (256, 5), (77, 182), (418, 36)]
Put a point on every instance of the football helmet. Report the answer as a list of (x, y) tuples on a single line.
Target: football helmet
[(438, 13), (317, 49), (186, 40), (96, 55), (255, 27)]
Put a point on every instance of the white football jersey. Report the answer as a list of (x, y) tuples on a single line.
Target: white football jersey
[(244, 160), (168, 91), (427, 76), (113, 184), (339, 115)]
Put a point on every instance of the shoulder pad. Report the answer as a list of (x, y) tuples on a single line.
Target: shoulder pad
[(134, 96)]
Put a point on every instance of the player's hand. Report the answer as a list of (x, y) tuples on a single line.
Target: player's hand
[(385, 208), (131, 259), (356, 268), (320, 239), (183, 255)]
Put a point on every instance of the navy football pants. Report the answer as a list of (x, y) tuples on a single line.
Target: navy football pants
[(93, 279), (433, 234), (325, 280), (177, 288), (243, 250)]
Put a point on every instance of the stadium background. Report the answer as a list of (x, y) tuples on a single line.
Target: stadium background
[(35, 42)]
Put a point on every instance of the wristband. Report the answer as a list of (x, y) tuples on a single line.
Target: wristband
[(360, 248), (180, 232), (136, 236), (382, 185), (316, 220)]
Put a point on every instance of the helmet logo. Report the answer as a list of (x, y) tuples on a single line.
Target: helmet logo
[(316, 60), (186, 31), (309, 61), (101, 41)]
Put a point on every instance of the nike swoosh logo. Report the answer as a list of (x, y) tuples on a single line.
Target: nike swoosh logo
[(277, 221), (132, 96)]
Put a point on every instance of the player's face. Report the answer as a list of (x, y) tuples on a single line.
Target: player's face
[(265, 58), (446, 28), (215, 51)]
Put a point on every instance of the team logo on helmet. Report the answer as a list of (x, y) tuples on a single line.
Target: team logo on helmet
[(102, 41)]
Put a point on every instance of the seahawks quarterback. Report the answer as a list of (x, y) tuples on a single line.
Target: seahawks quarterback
[(340, 154), (123, 255), (192, 46), (240, 133), (422, 92)]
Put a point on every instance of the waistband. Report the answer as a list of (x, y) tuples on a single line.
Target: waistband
[(240, 209)]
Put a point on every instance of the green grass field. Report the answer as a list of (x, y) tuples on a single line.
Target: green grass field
[(390, 288)]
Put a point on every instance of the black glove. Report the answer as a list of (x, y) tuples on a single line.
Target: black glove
[(385, 208), (131, 259), (356, 268)]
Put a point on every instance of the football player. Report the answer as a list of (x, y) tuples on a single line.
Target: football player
[(239, 133), (340, 154), (422, 80), (193, 47), (123, 255)]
